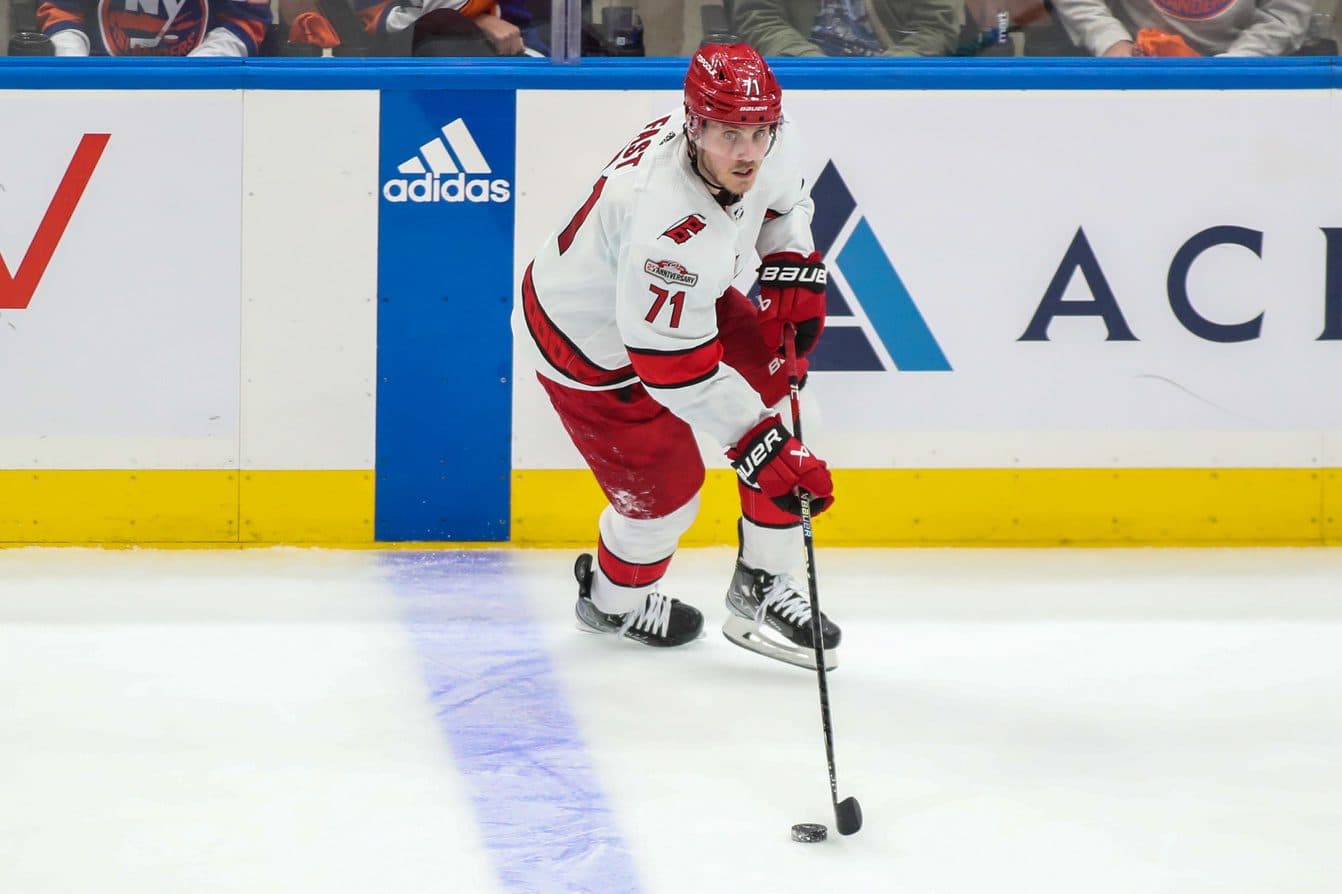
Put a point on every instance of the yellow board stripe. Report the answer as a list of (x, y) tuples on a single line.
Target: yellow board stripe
[(208, 506), (993, 507), (306, 507), (877, 507)]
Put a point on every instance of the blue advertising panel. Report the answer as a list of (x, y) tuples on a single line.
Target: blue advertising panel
[(445, 233)]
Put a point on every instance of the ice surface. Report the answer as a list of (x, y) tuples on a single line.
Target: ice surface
[(1012, 720)]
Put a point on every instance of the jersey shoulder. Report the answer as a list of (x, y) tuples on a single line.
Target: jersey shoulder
[(668, 205), (783, 171), (637, 169)]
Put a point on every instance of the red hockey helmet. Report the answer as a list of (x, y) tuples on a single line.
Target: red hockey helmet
[(733, 84)]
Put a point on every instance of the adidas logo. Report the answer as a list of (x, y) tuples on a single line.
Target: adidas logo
[(448, 168)]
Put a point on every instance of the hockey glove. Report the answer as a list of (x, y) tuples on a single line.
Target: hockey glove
[(769, 458), (792, 290)]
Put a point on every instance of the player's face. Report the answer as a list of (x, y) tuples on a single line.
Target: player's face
[(731, 154)]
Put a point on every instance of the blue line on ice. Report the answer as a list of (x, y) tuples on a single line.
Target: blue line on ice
[(541, 809)]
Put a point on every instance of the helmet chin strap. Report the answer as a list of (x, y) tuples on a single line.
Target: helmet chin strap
[(721, 194)]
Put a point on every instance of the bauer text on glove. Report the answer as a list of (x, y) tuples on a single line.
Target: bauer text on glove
[(768, 457), (792, 290)]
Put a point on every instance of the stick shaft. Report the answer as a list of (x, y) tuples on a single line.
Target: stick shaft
[(794, 388)]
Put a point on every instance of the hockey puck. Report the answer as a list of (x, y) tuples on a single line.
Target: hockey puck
[(808, 833)]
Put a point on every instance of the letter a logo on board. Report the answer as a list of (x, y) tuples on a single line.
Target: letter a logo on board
[(869, 309), (16, 289)]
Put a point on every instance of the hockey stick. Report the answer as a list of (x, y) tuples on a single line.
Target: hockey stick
[(847, 813)]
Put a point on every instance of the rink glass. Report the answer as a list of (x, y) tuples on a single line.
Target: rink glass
[(569, 30)]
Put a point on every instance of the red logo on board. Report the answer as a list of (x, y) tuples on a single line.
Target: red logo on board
[(16, 289)]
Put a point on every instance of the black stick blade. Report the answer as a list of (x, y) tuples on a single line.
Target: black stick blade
[(848, 816)]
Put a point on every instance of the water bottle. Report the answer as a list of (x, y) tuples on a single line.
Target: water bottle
[(26, 40), (30, 43)]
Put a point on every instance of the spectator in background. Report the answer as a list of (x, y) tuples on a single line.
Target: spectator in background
[(850, 27), (1187, 27), (167, 28), (454, 27)]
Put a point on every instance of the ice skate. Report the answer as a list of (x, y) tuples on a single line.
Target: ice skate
[(771, 615), (660, 621)]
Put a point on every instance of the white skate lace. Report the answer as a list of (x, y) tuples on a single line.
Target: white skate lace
[(787, 601), (654, 617)]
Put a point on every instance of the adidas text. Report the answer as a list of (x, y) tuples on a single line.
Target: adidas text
[(446, 188)]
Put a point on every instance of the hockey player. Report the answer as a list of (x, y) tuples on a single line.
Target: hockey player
[(639, 338)]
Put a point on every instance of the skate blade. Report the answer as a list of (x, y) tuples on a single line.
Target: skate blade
[(745, 633)]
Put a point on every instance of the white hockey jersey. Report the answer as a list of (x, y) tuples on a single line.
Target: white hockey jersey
[(627, 289)]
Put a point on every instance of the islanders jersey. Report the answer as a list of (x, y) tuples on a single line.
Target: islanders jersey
[(155, 27), (626, 291), (1211, 27)]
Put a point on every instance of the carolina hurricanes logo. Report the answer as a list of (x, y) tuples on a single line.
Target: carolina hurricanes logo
[(683, 230), (1194, 10), (152, 27)]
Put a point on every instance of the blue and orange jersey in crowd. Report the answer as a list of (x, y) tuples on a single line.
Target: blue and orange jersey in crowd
[(155, 27)]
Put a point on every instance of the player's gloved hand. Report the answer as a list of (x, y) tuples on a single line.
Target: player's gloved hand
[(792, 290), (768, 457)]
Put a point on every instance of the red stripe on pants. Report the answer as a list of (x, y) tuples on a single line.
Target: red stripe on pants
[(629, 574)]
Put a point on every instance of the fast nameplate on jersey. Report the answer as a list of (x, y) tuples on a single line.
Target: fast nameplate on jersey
[(671, 273)]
